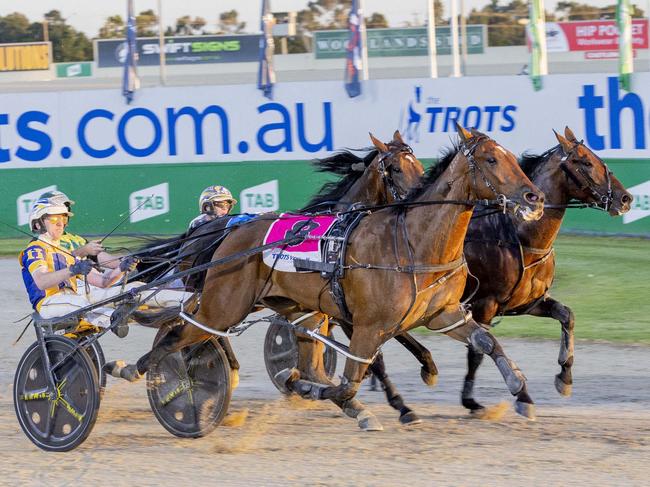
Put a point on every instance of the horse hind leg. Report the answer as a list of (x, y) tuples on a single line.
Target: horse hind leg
[(406, 415), (474, 360), (429, 371), (551, 308)]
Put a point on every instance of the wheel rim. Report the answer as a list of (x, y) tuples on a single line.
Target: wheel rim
[(281, 352), (189, 391), (56, 419)]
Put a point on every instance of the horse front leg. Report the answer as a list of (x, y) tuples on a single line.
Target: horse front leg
[(482, 341), (551, 308)]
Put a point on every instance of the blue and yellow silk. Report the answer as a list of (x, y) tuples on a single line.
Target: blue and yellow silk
[(70, 242), (41, 254)]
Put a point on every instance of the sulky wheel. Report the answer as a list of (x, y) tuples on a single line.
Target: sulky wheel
[(189, 391), (281, 352), (96, 354), (56, 416)]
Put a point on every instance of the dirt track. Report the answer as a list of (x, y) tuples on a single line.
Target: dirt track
[(601, 435)]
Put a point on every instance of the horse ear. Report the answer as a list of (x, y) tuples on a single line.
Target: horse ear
[(476, 133), (397, 137), (378, 143), (565, 143), (569, 134), (462, 133)]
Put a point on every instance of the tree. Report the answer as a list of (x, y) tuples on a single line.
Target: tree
[(67, 43), (16, 27), (229, 23), (581, 11), (147, 23), (376, 21), (506, 24), (113, 27)]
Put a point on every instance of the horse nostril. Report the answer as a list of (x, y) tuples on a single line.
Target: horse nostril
[(531, 197), (626, 199)]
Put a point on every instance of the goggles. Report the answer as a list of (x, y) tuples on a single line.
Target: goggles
[(224, 205), (56, 219)]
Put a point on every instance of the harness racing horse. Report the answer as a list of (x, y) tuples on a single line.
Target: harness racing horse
[(404, 268), (514, 261)]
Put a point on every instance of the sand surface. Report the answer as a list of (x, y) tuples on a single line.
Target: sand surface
[(599, 436)]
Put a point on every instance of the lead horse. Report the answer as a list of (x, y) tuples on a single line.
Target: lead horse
[(404, 268)]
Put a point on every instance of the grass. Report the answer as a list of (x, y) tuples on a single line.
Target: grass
[(603, 279)]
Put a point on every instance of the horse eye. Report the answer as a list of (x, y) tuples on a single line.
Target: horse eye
[(492, 160), (397, 170), (585, 162)]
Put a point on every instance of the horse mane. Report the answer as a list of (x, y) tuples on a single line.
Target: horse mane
[(530, 162), (341, 164), (433, 173)]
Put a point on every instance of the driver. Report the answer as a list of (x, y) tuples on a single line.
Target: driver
[(53, 276), (214, 202)]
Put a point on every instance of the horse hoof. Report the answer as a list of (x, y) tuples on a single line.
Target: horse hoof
[(428, 378), (368, 422), (234, 378), (121, 370), (525, 409), (563, 388), (410, 419), (478, 412)]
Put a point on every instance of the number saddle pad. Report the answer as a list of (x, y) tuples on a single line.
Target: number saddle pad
[(312, 228)]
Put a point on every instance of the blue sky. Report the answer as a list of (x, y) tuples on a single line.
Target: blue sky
[(88, 18)]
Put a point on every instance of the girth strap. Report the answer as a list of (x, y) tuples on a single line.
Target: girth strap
[(413, 269)]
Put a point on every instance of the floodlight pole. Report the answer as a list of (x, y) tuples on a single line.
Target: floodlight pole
[(161, 45)]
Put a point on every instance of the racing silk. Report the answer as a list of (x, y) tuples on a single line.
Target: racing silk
[(198, 221), (234, 220), (70, 242), (39, 254)]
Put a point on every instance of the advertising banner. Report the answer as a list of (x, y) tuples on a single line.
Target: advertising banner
[(180, 50), (412, 41), (74, 70), (591, 35), (174, 141), (31, 56)]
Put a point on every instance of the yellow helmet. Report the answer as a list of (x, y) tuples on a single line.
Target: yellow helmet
[(41, 208), (213, 194)]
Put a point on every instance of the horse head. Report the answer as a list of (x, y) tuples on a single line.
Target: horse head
[(592, 180), (495, 174), (398, 168)]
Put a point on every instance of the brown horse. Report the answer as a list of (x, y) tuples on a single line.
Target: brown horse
[(514, 261), (404, 268)]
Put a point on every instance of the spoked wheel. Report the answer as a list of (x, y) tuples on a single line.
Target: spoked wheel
[(58, 417), (281, 352), (189, 391)]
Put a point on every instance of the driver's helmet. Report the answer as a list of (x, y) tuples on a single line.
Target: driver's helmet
[(42, 208), (57, 198), (213, 194)]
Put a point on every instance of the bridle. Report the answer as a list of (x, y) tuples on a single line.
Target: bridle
[(603, 201), (387, 174), (468, 151)]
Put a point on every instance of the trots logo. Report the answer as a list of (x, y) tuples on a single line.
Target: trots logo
[(25, 201), (149, 202), (431, 115)]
